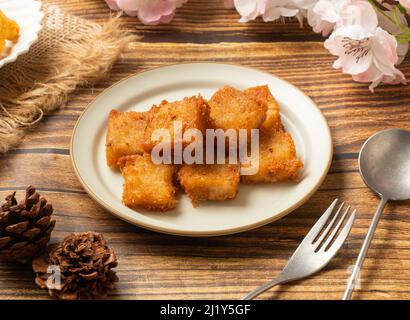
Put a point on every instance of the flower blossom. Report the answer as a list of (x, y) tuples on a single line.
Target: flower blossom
[(148, 11), (361, 38), (369, 56), (269, 10), (390, 27), (276, 9), (324, 15)]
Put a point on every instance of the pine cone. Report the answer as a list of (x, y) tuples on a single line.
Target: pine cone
[(84, 263), (25, 228)]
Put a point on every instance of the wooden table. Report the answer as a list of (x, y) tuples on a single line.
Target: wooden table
[(153, 265)]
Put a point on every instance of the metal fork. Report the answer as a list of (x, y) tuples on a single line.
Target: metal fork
[(315, 251)]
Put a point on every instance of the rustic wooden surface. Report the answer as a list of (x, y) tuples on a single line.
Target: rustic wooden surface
[(153, 265)]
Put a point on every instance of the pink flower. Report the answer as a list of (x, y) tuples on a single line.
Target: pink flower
[(369, 56), (148, 11), (390, 27), (324, 15), (248, 9), (269, 10), (276, 9), (358, 12)]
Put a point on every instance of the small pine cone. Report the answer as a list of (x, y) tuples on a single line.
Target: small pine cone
[(84, 264), (25, 227)]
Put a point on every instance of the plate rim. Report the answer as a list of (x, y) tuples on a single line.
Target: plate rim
[(194, 233), (12, 58)]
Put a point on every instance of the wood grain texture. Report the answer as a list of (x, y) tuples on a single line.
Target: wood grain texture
[(153, 265)]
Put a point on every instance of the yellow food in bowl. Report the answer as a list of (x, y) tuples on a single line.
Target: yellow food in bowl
[(9, 30)]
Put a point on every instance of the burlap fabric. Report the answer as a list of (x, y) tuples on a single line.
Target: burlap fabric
[(70, 52)]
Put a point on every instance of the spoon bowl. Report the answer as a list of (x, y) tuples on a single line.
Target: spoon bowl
[(384, 163)]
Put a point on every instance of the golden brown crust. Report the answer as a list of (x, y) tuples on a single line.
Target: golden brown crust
[(152, 187), (147, 185), (278, 160), (218, 182), (125, 135), (263, 96), (233, 109), (191, 112)]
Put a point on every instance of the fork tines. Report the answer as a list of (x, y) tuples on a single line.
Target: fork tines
[(322, 237)]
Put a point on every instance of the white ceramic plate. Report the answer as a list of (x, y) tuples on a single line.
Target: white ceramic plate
[(28, 14), (254, 205)]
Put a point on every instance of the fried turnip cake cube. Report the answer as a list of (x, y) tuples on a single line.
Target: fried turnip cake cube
[(263, 96), (189, 112), (232, 109), (209, 181), (125, 135), (147, 185), (278, 160)]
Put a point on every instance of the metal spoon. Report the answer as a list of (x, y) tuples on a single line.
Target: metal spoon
[(384, 164)]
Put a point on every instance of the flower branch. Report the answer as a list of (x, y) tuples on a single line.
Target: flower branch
[(370, 38)]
